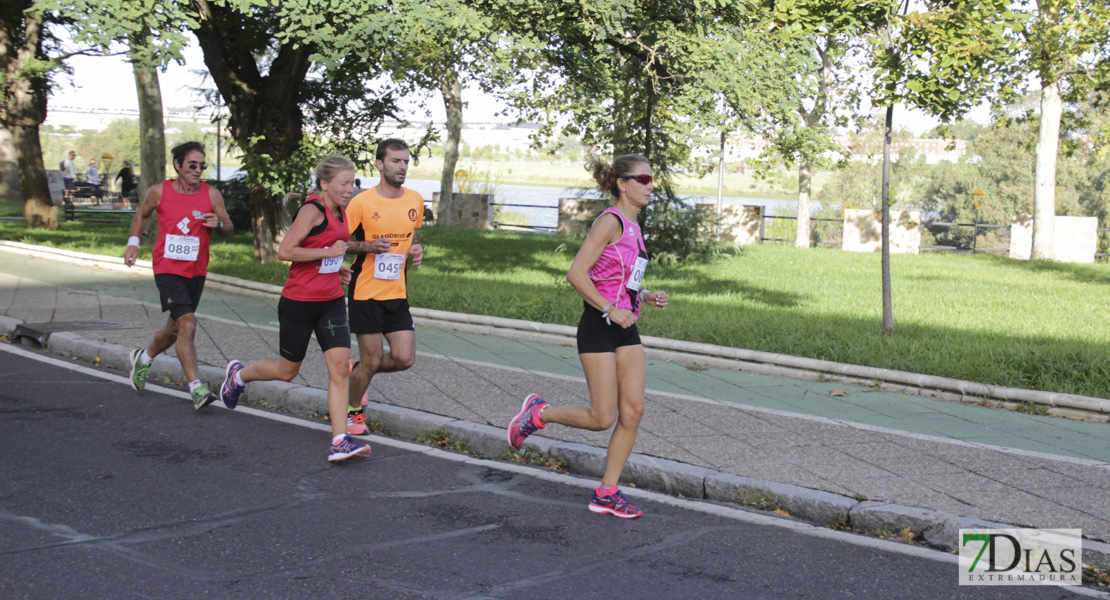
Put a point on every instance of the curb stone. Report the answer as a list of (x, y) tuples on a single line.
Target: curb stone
[(936, 529), (816, 506)]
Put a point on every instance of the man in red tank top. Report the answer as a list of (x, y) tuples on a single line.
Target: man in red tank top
[(188, 211)]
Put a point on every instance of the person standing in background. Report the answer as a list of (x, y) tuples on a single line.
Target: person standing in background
[(92, 174), (127, 180), (69, 176)]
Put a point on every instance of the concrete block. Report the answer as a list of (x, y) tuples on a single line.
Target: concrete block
[(741, 225), (405, 422), (877, 517), (945, 532), (815, 506), (667, 476), (863, 230), (64, 343), (298, 400), (466, 210), (1076, 238), (484, 440), (576, 215), (580, 459), (8, 324), (165, 367)]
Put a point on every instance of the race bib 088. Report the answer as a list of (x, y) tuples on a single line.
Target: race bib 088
[(182, 247)]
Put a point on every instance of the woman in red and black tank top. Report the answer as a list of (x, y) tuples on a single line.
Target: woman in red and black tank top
[(312, 302)]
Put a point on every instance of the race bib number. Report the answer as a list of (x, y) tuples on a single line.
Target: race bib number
[(182, 247), (388, 266), (331, 265), (637, 278)]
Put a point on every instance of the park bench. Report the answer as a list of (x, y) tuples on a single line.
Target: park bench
[(72, 212)]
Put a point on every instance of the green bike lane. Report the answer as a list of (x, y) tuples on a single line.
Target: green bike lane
[(860, 405)]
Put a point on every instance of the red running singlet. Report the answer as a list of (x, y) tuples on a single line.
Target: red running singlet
[(318, 280)]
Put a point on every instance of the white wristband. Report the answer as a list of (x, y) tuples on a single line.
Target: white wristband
[(133, 241), (643, 293)]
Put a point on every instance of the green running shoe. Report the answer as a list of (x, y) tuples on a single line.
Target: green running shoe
[(202, 396), (138, 369)]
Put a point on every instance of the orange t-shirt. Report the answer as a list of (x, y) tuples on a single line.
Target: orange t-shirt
[(382, 276)]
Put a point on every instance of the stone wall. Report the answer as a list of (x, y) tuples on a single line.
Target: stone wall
[(740, 224), (863, 230), (471, 211), (576, 215), (1076, 238)]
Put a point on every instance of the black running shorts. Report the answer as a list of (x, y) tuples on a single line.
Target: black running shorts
[(180, 295), (299, 319), (595, 335), (380, 316)]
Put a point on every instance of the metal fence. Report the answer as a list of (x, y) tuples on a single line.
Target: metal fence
[(762, 229)]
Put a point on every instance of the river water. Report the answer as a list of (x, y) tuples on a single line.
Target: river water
[(543, 202)]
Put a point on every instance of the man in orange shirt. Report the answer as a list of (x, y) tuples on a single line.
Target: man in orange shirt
[(383, 222)]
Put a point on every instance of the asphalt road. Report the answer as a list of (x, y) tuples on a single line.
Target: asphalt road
[(110, 493)]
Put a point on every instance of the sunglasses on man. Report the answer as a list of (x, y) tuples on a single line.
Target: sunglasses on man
[(641, 179), (196, 166)]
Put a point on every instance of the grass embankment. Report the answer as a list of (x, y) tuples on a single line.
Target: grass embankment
[(1015, 323)]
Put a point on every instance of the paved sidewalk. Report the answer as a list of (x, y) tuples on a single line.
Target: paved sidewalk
[(884, 460)]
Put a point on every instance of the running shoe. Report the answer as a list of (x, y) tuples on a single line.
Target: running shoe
[(356, 423), (351, 364), (348, 448), (230, 391), (202, 396), (138, 369), (614, 505), (527, 421)]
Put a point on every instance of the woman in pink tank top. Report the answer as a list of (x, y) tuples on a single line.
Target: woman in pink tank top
[(608, 273)]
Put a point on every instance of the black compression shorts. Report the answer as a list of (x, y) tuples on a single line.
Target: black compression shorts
[(299, 319), (595, 335)]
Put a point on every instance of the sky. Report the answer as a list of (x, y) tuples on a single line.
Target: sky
[(106, 82)]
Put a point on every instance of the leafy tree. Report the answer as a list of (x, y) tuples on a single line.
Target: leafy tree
[(943, 60), (446, 43), (1062, 44), (633, 76)]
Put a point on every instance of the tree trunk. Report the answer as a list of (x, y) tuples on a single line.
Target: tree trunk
[(451, 89), (265, 115), (9, 168), (805, 186), (38, 207), (23, 109), (812, 118), (152, 135), (888, 304), (1044, 174)]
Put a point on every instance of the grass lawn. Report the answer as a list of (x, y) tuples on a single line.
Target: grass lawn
[(1026, 324)]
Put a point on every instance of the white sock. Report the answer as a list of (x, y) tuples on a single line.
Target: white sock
[(145, 358), (193, 385), (238, 379), (338, 438)]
